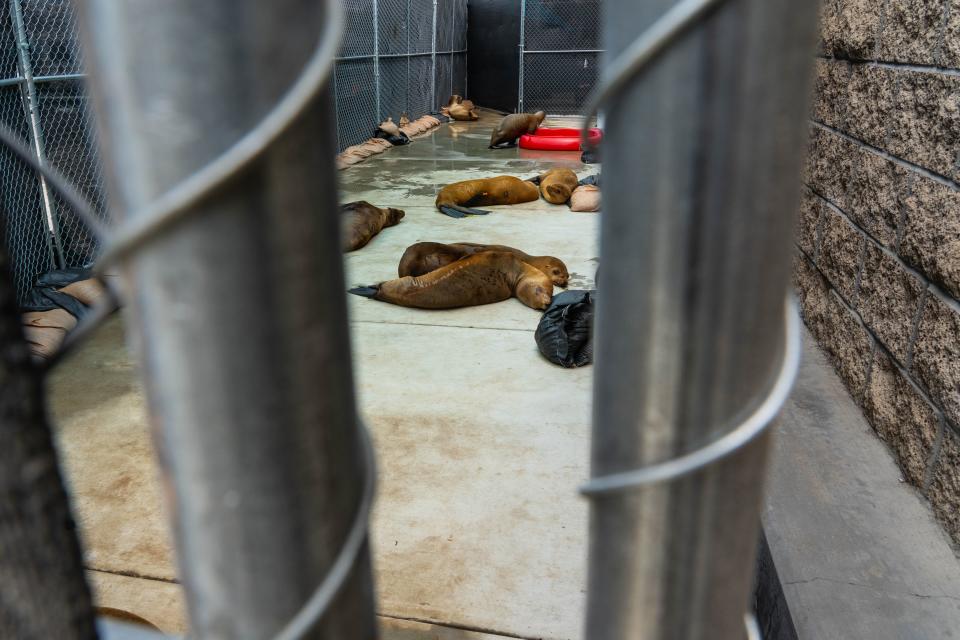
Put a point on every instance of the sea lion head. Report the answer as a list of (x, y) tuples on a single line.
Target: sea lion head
[(554, 269), (536, 293), (394, 216), (540, 115)]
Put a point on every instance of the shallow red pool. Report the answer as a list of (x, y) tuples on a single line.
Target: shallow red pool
[(557, 139)]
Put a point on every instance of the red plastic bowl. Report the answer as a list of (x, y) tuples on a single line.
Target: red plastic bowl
[(557, 139)]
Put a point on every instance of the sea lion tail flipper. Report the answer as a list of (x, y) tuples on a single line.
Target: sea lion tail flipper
[(367, 292), (456, 211)]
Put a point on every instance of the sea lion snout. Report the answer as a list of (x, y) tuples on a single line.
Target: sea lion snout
[(396, 215), (536, 293)]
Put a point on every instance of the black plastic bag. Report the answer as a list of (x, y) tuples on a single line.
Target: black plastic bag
[(565, 333)]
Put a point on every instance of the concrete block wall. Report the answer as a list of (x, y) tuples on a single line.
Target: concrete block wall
[(878, 267)]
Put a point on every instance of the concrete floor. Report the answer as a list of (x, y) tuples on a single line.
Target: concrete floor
[(478, 528), (478, 532)]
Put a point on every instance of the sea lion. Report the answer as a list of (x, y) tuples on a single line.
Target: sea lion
[(556, 185), (461, 112), (482, 278), (389, 126), (404, 120), (424, 257), (362, 221), (456, 200), (515, 125)]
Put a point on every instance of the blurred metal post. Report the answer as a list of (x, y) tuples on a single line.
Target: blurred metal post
[(701, 163), (433, 61), (523, 28), (376, 58), (31, 107), (238, 312)]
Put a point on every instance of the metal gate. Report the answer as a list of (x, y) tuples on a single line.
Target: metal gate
[(560, 52)]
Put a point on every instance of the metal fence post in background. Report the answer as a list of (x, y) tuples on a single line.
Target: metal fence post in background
[(701, 162), (238, 310), (523, 26), (433, 60), (376, 57), (31, 108)]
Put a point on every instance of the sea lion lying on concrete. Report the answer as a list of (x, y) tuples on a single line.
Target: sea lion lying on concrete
[(362, 221), (513, 126), (424, 257), (556, 185), (456, 200), (482, 278), (462, 112)]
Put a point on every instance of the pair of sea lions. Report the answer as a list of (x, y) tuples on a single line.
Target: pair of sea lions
[(438, 276), (458, 199), (513, 126), (362, 221), (423, 257)]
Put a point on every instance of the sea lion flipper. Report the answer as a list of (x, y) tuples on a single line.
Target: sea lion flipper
[(451, 211), (535, 179), (455, 211), (366, 292)]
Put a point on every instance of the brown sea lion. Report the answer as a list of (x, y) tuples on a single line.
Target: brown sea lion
[(461, 112), (362, 221), (482, 278), (556, 185), (389, 126), (424, 257), (515, 125), (456, 200)]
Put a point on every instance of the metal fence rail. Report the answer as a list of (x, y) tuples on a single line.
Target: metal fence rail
[(396, 56), (560, 52)]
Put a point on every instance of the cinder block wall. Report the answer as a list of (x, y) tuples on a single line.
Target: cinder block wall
[(878, 270)]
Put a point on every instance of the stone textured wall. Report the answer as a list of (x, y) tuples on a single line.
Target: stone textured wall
[(878, 271)]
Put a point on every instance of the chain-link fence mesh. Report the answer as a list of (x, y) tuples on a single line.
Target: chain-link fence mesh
[(398, 56), (559, 54), (42, 97)]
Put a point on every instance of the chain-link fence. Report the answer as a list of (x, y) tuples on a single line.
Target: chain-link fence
[(42, 97), (398, 56), (560, 51)]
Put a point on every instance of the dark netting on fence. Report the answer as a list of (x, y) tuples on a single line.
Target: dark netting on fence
[(42, 97), (398, 56), (560, 54)]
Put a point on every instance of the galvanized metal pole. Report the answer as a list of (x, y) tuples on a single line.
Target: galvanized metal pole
[(701, 165), (523, 35), (376, 57), (238, 311), (32, 111), (433, 59)]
